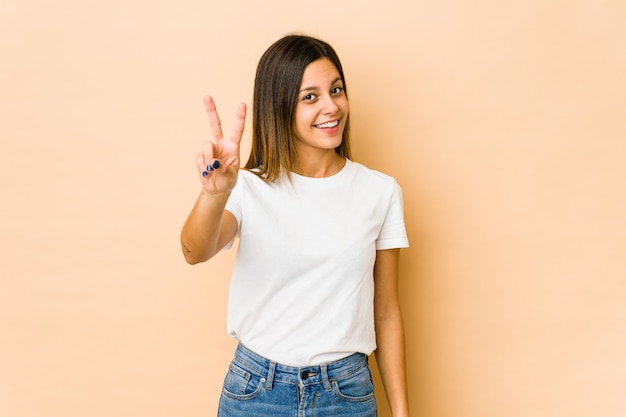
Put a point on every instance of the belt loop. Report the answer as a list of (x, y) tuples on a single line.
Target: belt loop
[(325, 379), (269, 382)]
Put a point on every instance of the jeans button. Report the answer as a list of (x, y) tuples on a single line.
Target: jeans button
[(305, 375)]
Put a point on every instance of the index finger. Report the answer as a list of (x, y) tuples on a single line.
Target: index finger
[(214, 119), (240, 120)]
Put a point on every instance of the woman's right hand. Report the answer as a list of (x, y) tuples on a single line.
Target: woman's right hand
[(218, 163)]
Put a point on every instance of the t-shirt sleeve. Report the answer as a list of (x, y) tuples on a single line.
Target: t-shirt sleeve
[(393, 232), (234, 202)]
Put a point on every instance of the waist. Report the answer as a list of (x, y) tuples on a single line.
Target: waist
[(304, 375)]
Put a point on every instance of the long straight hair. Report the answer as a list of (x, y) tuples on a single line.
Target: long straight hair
[(276, 87)]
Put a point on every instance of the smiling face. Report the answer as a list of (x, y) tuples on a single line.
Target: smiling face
[(322, 109)]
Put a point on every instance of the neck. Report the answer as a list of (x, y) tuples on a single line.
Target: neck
[(328, 165)]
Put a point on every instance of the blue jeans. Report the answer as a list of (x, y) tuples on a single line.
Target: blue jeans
[(255, 386)]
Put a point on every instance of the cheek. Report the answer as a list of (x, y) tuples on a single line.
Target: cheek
[(345, 106), (303, 118), (301, 125)]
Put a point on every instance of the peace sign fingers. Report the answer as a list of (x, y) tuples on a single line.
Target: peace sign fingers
[(214, 119), (216, 124), (218, 164), (240, 120)]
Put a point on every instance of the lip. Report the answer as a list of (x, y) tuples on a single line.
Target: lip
[(318, 125)]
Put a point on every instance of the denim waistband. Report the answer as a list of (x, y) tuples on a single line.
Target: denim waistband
[(306, 375)]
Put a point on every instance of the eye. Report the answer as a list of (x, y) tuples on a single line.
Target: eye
[(309, 97), (336, 90)]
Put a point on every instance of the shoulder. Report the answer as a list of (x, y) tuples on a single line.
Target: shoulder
[(249, 178), (249, 174), (251, 183), (371, 177)]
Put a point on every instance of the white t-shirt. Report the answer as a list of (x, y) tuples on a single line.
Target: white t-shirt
[(302, 285)]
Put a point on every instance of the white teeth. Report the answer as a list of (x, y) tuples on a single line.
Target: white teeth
[(328, 124)]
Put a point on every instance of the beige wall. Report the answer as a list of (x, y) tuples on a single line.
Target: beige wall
[(503, 121)]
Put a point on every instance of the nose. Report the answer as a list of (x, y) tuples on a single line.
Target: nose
[(330, 106)]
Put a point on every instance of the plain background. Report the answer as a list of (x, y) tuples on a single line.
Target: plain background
[(504, 122)]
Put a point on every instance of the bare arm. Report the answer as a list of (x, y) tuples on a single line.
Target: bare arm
[(208, 227), (390, 354)]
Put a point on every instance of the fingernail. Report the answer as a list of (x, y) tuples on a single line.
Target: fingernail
[(209, 168), (204, 173), (216, 164)]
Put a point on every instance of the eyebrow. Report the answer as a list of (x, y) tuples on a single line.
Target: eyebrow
[(317, 88)]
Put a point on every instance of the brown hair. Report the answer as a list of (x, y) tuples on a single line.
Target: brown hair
[(276, 87)]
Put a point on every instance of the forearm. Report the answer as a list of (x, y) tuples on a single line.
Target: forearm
[(390, 357), (200, 237)]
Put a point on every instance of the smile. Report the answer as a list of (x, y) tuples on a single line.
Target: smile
[(327, 124)]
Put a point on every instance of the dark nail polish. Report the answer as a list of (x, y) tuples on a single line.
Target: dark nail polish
[(216, 164)]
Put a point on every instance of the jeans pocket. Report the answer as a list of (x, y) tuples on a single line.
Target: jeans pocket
[(356, 387), (241, 384)]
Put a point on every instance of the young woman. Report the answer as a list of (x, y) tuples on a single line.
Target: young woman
[(314, 286)]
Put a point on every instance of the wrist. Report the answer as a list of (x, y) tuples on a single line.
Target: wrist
[(215, 195), (402, 412), (213, 201)]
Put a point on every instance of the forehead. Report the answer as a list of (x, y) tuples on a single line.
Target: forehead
[(320, 72)]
